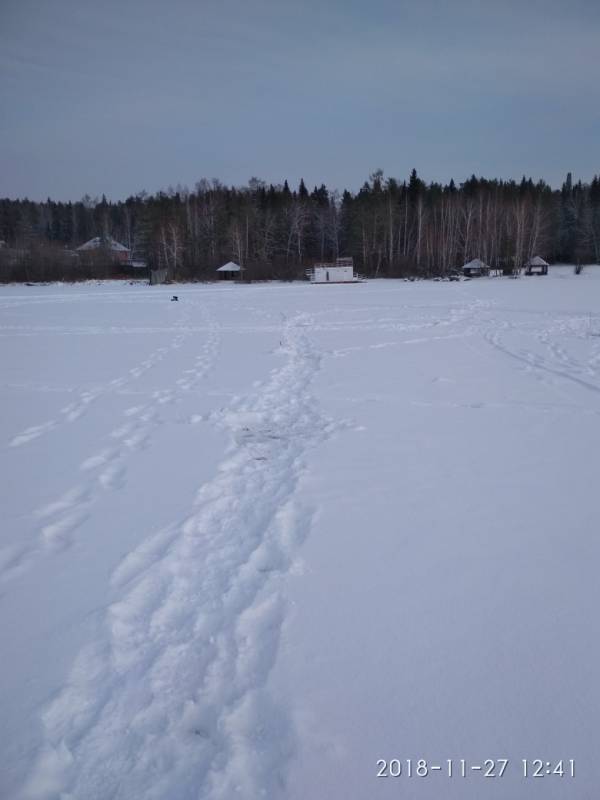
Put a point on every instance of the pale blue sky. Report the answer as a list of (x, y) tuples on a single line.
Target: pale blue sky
[(117, 96)]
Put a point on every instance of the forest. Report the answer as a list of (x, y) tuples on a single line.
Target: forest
[(391, 228)]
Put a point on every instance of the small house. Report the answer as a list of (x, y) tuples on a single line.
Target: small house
[(536, 266), (230, 271), (117, 251), (339, 271), (475, 268)]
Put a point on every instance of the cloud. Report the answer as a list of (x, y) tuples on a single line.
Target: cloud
[(324, 90)]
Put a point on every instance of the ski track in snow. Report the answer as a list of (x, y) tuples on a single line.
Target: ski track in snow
[(105, 469), (169, 700), (451, 317), (558, 365)]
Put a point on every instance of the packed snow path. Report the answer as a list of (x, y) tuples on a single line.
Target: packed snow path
[(256, 540)]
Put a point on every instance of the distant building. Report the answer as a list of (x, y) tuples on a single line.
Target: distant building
[(117, 250), (230, 271), (339, 271), (158, 276), (475, 268), (536, 266)]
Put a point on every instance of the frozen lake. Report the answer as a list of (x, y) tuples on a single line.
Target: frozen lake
[(255, 540)]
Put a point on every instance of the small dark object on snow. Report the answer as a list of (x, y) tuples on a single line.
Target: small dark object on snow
[(174, 298)]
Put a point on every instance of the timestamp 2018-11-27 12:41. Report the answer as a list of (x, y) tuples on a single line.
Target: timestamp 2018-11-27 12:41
[(462, 768)]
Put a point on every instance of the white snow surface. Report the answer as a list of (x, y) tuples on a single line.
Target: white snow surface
[(258, 539)]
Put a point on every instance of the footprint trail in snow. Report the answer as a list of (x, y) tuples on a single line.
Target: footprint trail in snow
[(106, 467), (169, 699)]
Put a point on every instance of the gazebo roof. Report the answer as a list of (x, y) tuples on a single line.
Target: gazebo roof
[(230, 266), (537, 261), (476, 263)]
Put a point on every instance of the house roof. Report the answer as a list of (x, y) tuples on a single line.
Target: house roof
[(97, 242), (230, 266), (537, 261), (476, 263)]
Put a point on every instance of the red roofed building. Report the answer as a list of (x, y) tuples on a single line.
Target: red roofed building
[(116, 250)]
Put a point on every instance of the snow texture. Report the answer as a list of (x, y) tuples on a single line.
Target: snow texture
[(256, 540)]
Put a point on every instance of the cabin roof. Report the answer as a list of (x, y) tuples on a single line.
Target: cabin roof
[(98, 241)]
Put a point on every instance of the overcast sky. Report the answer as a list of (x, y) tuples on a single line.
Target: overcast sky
[(115, 96)]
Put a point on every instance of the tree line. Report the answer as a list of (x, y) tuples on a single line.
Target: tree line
[(392, 228)]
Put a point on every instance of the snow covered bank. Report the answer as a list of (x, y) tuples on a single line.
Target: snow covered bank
[(256, 540)]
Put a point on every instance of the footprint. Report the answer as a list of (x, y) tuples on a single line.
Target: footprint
[(136, 441), (31, 433), (57, 535), (108, 454), (122, 431), (133, 410), (113, 477), (69, 499), (10, 559)]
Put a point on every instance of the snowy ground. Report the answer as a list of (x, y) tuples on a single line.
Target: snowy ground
[(258, 539)]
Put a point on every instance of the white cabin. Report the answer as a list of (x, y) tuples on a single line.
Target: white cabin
[(340, 271)]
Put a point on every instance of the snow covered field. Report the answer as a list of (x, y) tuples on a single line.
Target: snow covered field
[(258, 539)]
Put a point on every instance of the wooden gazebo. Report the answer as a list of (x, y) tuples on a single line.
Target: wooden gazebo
[(536, 266), (230, 271)]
